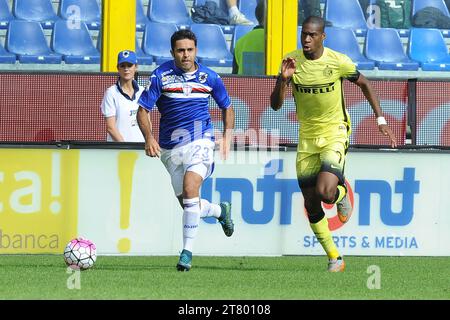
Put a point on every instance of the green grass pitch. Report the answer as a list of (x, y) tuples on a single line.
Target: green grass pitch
[(225, 278)]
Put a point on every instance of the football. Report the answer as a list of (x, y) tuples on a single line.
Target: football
[(80, 254)]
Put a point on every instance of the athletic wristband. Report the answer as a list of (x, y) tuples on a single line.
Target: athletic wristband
[(381, 120)]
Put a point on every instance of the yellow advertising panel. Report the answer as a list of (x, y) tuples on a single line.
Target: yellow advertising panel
[(38, 200)]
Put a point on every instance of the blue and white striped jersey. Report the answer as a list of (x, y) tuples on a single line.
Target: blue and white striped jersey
[(182, 100)]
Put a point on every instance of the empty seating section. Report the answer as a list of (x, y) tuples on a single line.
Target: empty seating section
[(428, 47), (344, 40), (87, 11), (156, 41), (346, 14), (385, 47), (212, 46), (6, 57), (40, 11), (141, 18), (26, 39), (75, 44), (5, 14), (169, 11), (28, 30)]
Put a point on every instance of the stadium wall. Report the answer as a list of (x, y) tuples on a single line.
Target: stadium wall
[(123, 201), (46, 107)]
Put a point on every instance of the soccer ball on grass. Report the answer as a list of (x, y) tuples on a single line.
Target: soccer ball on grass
[(80, 254)]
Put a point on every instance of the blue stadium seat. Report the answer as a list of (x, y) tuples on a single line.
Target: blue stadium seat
[(87, 11), (212, 46), (247, 7), (238, 32), (344, 40), (428, 47), (385, 47), (420, 4), (156, 41), (299, 37), (5, 14), (40, 11), (26, 39), (169, 11), (142, 57), (6, 57), (346, 14), (75, 44), (141, 18)]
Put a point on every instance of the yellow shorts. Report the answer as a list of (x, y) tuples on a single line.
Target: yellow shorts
[(321, 154)]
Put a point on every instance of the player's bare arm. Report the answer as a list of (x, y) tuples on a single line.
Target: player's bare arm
[(370, 95), (228, 125), (288, 67), (152, 148)]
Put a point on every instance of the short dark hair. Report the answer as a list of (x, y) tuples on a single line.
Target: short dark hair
[(260, 11), (182, 34), (315, 20)]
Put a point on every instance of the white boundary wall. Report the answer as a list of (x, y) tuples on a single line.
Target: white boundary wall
[(402, 205)]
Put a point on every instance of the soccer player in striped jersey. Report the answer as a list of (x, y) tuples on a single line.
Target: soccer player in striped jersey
[(316, 74), (180, 89)]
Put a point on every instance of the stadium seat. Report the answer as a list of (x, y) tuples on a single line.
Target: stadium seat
[(238, 32), (212, 46), (385, 48), (41, 11), (142, 57), (156, 41), (5, 14), (87, 11), (344, 40), (247, 7), (141, 18), (169, 11), (75, 44), (420, 4), (26, 39), (6, 57), (299, 37), (346, 14), (428, 47)]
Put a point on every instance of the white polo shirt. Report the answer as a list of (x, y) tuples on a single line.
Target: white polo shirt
[(117, 104)]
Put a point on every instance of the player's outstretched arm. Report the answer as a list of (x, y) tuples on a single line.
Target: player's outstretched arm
[(152, 148), (374, 102)]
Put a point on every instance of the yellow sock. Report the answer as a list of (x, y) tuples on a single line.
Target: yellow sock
[(342, 193), (323, 234)]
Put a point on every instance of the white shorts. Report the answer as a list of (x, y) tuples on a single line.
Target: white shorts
[(197, 156)]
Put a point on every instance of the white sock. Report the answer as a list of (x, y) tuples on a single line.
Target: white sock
[(209, 209), (233, 11), (191, 218)]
